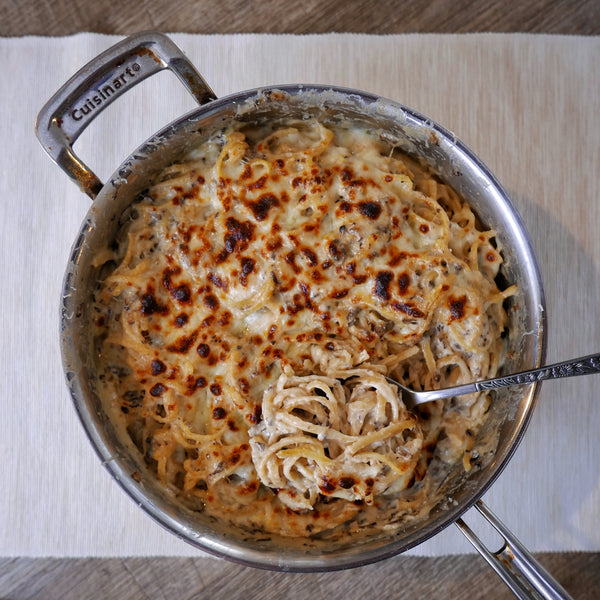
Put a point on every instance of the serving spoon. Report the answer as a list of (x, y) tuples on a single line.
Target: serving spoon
[(570, 368)]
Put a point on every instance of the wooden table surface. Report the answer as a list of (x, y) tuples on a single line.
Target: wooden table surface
[(401, 577), (61, 17)]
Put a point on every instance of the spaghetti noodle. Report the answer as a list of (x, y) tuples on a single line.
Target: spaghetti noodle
[(258, 294)]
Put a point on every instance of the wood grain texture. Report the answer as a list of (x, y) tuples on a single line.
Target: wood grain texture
[(454, 578), (62, 17)]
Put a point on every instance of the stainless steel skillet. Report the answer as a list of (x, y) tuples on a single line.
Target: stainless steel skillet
[(111, 74)]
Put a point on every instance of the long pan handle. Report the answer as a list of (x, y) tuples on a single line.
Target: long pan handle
[(521, 572)]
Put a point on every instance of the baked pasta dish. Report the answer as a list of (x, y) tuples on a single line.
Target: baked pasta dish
[(253, 304)]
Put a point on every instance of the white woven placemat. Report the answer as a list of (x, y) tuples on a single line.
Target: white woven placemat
[(529, 106)]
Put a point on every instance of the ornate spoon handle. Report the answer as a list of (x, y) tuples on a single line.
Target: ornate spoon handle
[(569, 368)]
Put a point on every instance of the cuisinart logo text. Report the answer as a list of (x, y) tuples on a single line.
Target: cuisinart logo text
[(104, 92)]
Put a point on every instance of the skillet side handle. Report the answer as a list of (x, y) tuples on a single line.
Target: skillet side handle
[(521, 572), (81, 99)]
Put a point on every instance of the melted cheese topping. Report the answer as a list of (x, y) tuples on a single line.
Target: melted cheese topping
[(263, 288)]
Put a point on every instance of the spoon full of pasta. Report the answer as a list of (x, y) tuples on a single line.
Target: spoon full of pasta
[(585, 365)]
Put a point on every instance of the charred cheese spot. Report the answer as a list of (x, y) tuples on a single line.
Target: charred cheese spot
[(183, 343), (457, 307), (259, 184), (311, 257), (216, 280), (328, 485), (180, 293), (371, 210), (198, 382), (346, 175), (334, 251), (408, 309), (237, 238), (274, 244), (244, 385), (403, 283), (211, 301), (290, 259), (219, 413), (150, 305), (248, 265), (158, 367), (346, 482), (261, 207), (382, 285), (225, 318), (158, 389), (247, 172), (181, 319), (256, 415)]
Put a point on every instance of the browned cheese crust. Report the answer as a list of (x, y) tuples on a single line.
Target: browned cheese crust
[(263, 286)]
